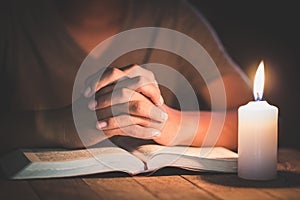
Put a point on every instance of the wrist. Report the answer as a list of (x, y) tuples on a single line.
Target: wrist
[(170, 132), (181, 128)]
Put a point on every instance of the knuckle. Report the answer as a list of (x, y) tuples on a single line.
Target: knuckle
[(151, 75), (120, 121), (136, 68), (114, 72), (124, 94), (111, 122), (135, 106), (141, 81)]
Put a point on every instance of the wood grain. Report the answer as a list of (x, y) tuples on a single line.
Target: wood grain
[(173, 187), (16, 190), (163, 186), (288, 176), (64, 189), (284, 193), (230, 186), (118, 188), (223, 191), (289, 160)]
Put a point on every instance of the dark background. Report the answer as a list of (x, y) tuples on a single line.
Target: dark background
[(264, 30)]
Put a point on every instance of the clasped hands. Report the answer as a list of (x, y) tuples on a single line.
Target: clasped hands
[(127, 102)]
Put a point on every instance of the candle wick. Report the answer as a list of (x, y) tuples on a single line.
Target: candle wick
[(258, 97)]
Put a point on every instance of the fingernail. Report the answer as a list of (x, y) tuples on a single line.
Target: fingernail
[(161, 100), (92, 105), (164, 116), (155, 133), (101, 125), (87, 92)]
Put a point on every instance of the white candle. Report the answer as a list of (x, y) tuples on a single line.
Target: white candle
[(257, 135)]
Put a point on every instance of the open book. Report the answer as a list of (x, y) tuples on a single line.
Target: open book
[(131, 156)]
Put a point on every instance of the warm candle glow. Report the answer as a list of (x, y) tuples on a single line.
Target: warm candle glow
[(257, 135), (259, 81)]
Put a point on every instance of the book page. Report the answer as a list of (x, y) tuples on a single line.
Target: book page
[(217, 159), (60, 155), (50, 163), (146, 149), (150, 150), (133, 145), (193, 158)]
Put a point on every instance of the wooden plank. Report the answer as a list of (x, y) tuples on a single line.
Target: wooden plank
[(289, 160), (118, 188), (289, 154), (67, 188), (16, 190), (227, 187), (288, 181), (206, 186), (284, 193), (173, 187)]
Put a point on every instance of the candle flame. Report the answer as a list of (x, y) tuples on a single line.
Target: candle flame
[(259, 81)]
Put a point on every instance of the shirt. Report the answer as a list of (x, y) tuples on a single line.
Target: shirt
[(39, 59)]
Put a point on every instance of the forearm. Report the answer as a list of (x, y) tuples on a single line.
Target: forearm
[(200, 128), (214, 128)]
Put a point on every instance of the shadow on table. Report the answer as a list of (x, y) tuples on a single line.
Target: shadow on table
[(285, 179), (167, 171)]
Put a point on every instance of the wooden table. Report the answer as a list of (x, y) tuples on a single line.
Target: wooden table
[(165, 184)]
